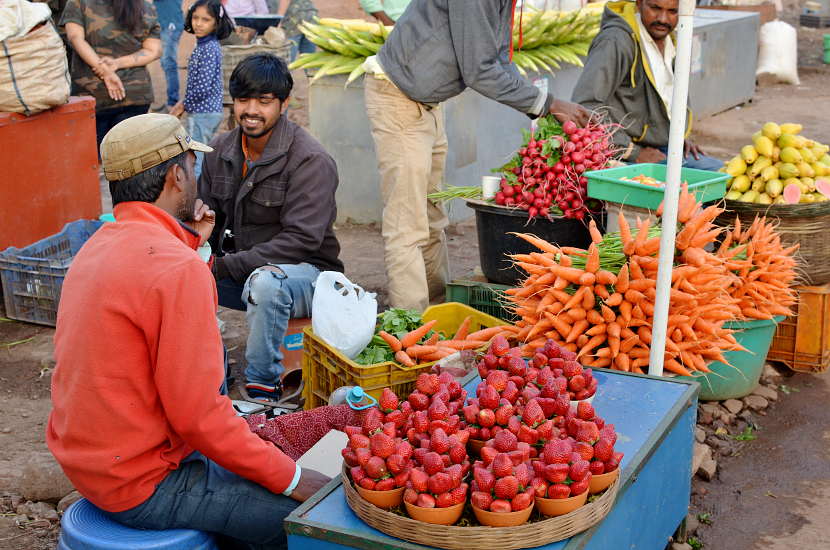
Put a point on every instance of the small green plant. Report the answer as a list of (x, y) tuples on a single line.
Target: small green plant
[(705, 517), (694, 542), (745, 435), (787, 389)]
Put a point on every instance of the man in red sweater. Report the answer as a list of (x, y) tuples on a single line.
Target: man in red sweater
[(138, 423)]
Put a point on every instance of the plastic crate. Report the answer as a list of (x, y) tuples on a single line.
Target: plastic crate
[(802, 342), (325, 369), (606, 184), (32, 277), (483, 296)]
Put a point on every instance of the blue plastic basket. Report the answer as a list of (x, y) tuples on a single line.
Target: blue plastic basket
[(32, 277)]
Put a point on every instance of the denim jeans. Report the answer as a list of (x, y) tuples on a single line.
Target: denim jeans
[(170, 61), (270, 300), (201, 127), (705, 162), (300, 44), (202, 495)]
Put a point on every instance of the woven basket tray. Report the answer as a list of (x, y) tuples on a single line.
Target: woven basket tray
[(798, 223), (529, 535)]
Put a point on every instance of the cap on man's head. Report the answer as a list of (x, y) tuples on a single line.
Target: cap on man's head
[(142, 142)]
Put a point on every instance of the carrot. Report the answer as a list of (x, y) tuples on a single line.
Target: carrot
[(607, 313), (560, 325), (438, 355), (581, 340), (635, 296), (578, 328), (487, 333), (539, 243), (594, 317), (625, 311), (623, 362), (673, 366), (592, 262), (415, 336), (606, 277), (570, 274), (417, 351), (589, 301), (596, 236), (604, 362), (597, 329), (404, 359), (615, 299), (622, 280), (587, 279), (461, 344), (577, 313), (591, 344), (575, 299), (601, 291), (464, 329), (394, 344), (628, 343)]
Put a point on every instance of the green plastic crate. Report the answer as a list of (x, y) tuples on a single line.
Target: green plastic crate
[(485, 297), (606, 184)]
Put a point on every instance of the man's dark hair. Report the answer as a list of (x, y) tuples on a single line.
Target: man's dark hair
[(145, 186), (261, 74), (224, 24)]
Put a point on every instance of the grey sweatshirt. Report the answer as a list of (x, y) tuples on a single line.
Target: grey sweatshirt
[(439, 48)]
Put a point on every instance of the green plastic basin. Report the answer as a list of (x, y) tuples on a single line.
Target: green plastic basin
[(739, 379)]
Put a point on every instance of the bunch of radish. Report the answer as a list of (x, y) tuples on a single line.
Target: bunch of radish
[(547, 172)]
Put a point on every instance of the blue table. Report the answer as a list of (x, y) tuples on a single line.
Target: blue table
[(655, 419)]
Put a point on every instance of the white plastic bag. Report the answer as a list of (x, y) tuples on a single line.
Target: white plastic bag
[(343, 314), (778, 55)]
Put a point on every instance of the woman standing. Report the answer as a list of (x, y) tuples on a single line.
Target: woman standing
[(112, 43)]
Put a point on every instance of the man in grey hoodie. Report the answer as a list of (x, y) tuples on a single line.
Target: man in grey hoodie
[(437, 49), (629, 75)]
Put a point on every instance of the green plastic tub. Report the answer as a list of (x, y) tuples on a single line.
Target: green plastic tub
[(606, 184), (739, 379)]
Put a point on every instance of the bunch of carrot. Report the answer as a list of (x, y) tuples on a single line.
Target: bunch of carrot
[(414, 348), (765, 269), (604, 313)]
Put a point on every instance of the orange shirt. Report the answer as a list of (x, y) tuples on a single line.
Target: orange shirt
[(139, 365)]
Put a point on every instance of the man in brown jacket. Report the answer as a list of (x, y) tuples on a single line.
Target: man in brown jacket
[(272, 187)]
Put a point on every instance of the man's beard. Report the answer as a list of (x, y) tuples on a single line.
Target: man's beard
[(185, 211)]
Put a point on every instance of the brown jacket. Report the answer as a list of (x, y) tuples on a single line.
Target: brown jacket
[(282, 212)]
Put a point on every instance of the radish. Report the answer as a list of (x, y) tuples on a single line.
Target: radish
[(823, 186), (792, 193)]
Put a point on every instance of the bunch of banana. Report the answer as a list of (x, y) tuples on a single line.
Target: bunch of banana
[(780, 167)]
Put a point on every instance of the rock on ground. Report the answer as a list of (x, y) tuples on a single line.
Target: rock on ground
[(734, 406), (756, 402), (766, 392), (43, 479)]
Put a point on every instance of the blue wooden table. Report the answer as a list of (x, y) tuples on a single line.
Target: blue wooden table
[(655, 420)]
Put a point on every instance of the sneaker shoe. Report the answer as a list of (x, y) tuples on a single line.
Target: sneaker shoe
[(263, 392)]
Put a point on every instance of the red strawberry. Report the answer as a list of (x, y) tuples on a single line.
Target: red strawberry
[(390, 429), (546, 430), (471, 414), (608, 432), (456, 474), (397, 418), (571, 369), (577, 383), (533, 415), (505, 441), (514, 425), (588, 432), (516, 366), (439, 483), (567, 355), (528, 435), (410, 495), (406, 408), (503, 414), (367, 483), (440, 442), (502, 465), (559, 490), (529, 392), (419, 480), (488, 454), (501, 506), (506, 487), (444, 500), (497, 379), (385, 484), (425, 500), (599, 421), (438, 410), (372, 421), (499, 346), (433, 463), (516, 457), (459, 494), (597, 468), (376, 467), (358, 473), (363, 455), (359, 441), (485, 479), (603, 449), (388, 401), (419, 401), (446, 460), (579, 487), (481, 500), (557, 473), (486, 418), (490, 361), (484, 434), (352, 430), (349, 456), (585, 450), (585, 411), (562, 404), (521, 501), (419, 454), (420, 421), (463, 436), (489, 398), (458, 454), (539, 487), (435, 424), (551, 348), (579, 470), (382, 445), (557, 452), (614, 463), (402, 478), (404, 449), (539, 467), (524, 474)]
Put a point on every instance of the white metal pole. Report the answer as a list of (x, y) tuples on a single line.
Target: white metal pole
[(682, 66)]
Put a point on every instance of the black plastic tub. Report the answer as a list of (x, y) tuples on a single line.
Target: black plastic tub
[(494, 225)]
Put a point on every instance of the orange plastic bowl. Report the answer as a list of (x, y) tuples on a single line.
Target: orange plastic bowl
[(502, 519), (560, 506), (383, 499), (602, 481), (437, 516)]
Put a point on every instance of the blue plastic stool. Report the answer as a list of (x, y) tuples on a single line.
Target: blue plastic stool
[(85, 527)]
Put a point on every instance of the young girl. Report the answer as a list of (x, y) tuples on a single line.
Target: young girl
[(210, 23)]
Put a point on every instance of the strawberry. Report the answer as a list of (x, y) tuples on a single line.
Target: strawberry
[(588, 432), (372, 421), (539, 487), (502, 465), (433, 463), (550, 389), (358, 473), (459, 494), (445, 378), (514, 424), (458, 454), (556, 363), (404, 449), (559, 490), (576, 383), (396, 464), (571, 369), (406, 408), (481, 500), (539, 467), (419, 480), (546, 430), (367, 483), (443, 394), (456, 474), (376, 467), (463, 436), (419, 454), (557, 452), (501, 506), (352, 430), (506, 487), (446, 460), (528, 435), (438, 410), (402, 478), (397, 418), (603, 449), (562, 382), (529, 392), (358, 441), (505, 441), (557, 473), (489, 398), (524, 474), (516, 457), (567, 355), (579, 470), (363, 455), (562, 404), (585, 411), (486, 418), (410, 495), (471, 414), (427, 383), (420, 421), (608, 432), (599, 421), (425, 500), (488, 454), (348, 456), (497, 379), (579, 487), (585, 450), (484, 434), (490, 361), (439, 442), (444, 500), (390, 429), (439, 483), (435, 424), (418, 401), (499, 346), (525, 449), (503, 414), (388, 401), (533, 415), (521, 501), (485, 479), (614, 463), (597, 468), (382, 445), (385, 484), (483, 371)]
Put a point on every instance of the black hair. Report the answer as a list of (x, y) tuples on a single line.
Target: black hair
[(129, 14), (145, 186), (261, 74), (224, 24)]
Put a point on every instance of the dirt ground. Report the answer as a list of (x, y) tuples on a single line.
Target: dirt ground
[(773, 492)]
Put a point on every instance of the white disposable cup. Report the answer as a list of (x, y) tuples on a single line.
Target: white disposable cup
[(489, 186)]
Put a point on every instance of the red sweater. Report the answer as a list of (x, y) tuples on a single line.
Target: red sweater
[(139, 366)]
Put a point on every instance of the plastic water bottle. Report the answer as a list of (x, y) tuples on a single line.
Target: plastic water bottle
[(354, 396)]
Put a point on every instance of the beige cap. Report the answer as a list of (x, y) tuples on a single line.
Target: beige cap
[(141, 142)]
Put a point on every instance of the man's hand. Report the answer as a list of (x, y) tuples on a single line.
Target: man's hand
[(689, 147), (383, 18), (203, 221), (177, 110), (311, 481), (650, 155), (565, 111)]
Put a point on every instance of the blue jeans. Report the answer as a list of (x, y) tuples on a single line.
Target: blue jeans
[(705, 162), (201, 127), (170, 61), (270, 300), (202, 495), (301, 44)]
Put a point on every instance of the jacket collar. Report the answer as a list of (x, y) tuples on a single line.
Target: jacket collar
[(278, 144), (146, 213)]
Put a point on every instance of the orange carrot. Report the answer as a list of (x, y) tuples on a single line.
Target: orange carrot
[(461, 344), (394, 343), (404, 359), (464, 329), (417, 351), (596, 236), (486, 333), (601, 291), (587, 279), (592, 263), (578, 328), (608, 314), (606, 277), (438, 355), (615, 299), (415, 336), (591, 344), (622, 280), (432, 339), (539, 243)]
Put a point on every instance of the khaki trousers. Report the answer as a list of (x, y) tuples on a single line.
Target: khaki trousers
[(411, 149)]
